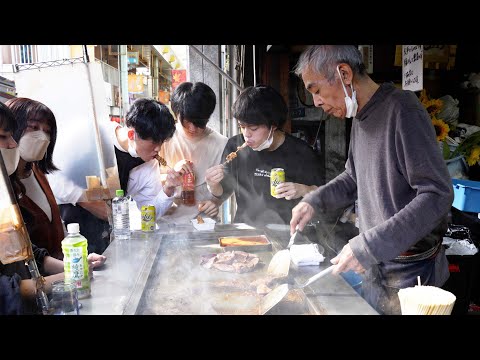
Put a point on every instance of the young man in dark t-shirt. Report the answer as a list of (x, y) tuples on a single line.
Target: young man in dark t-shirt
[(261, 113)]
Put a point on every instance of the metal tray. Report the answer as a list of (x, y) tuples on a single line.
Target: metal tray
[(265, 246)]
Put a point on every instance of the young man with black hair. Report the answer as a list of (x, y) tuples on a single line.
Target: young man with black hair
[(261, 113), (148, 124), (194, 148)]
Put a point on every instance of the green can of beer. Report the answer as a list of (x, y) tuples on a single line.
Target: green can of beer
[(277, 176), (148, 218)]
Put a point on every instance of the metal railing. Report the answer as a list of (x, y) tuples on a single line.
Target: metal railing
[(23, 54)]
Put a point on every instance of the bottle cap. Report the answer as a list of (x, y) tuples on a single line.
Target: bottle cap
[(73, 228), (119, 192)]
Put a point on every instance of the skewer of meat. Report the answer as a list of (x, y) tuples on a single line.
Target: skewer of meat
[(162, 161), (233, 155)]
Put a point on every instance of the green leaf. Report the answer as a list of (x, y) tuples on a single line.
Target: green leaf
[(445, 150)]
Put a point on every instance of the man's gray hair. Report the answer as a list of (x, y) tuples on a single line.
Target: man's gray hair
[(325, 58)]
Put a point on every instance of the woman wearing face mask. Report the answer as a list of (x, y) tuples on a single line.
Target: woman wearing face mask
[(261, 113), (17, 291), (36, 134)]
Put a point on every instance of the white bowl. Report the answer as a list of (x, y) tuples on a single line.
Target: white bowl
[(209, 224)]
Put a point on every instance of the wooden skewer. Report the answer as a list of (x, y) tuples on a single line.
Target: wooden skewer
[(238, 148), (162, 161)]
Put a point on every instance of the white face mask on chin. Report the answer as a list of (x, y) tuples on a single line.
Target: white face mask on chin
[(33, 145), (10, 158), (266, 144), (350, 103)]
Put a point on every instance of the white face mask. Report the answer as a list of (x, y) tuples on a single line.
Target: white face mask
[(33, 145), (266, 144), (132, 146), (351, 103), (10, 158)]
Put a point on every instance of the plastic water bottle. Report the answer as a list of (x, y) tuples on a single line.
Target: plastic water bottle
[(121, 217), (75, 262)]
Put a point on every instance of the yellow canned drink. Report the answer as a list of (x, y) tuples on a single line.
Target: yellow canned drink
[(277, 176), (148, 218)]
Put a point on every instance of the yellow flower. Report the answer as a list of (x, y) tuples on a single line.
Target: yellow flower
[(474, 156), (433, 106), (441, 129), (423, 96)]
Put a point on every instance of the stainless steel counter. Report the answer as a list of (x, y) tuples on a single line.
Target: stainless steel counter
[(160, 273)]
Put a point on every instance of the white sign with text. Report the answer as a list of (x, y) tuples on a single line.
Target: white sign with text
[(412, 67)]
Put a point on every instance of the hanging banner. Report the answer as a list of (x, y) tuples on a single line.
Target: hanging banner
[(132, 57), (178, 77), (412, 67), (135, 84)]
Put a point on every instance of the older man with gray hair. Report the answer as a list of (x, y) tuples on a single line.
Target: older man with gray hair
[(394, 169)]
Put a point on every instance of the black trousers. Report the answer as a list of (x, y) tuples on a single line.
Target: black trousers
[(94, 229)]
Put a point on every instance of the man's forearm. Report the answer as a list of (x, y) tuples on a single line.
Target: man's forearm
[(52, 265), (215, 189), (98, 208)]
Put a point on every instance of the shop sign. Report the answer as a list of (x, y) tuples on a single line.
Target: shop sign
[(135, 84), (412, 67), (164, 96), (132, 57)]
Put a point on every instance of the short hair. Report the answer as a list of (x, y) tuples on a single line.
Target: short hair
[(24, 110), (325, 58), (7, 119), (151, 119), (194, 102), (260, 105)]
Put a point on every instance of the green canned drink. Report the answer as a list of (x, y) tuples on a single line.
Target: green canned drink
[(277, 176), (148, 218)]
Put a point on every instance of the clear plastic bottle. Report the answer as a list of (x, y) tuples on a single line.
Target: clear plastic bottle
[(120, 215), (75, 262)]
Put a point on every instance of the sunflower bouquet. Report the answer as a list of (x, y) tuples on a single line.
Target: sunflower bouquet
[(469, 147), (434, 107)]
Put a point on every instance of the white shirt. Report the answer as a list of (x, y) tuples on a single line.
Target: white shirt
[(36, 194), (145, 187), (204, 152), (64, 189), (144, 184)]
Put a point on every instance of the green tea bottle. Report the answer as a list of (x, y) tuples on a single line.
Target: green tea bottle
[(75, 262)]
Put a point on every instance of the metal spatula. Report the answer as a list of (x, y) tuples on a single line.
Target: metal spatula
[(280, 264), (292, 238), (315, 277), (276, 295)]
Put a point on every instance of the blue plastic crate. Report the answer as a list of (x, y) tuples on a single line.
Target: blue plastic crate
[(467, 195)]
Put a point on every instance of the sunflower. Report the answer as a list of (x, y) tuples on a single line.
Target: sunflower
[(474, 156), (433, 106), (423, 97), (441, 129)]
